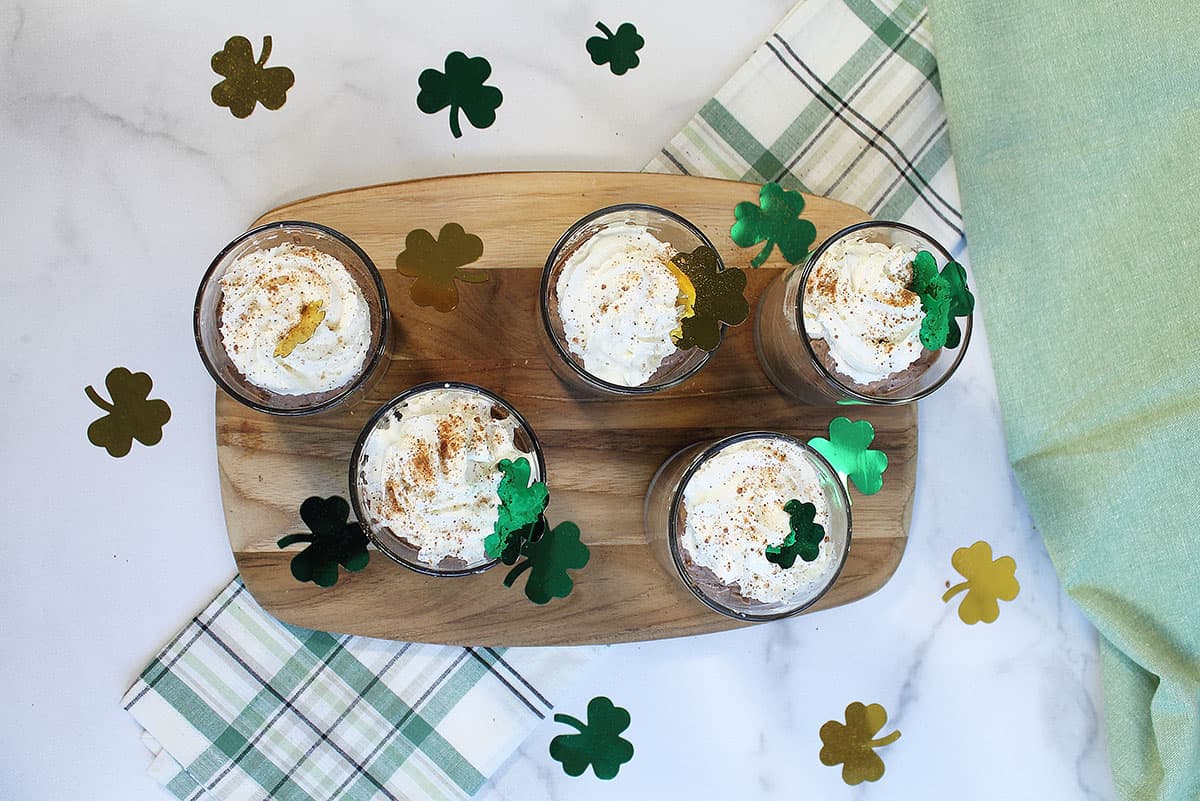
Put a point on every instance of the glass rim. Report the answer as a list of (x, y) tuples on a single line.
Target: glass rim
[(374, 355), (369, 428), (828, 375), (544, 291), (677, 498)]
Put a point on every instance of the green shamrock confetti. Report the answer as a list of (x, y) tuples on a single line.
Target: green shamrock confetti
[(521, 504), (599, 742), (437, 263), (987, 581), (943, 297), (333, 541), (247, 81), (776, 221), (129, 416), (548, 558), (717, 296), (804, 539), (461, 86), (618, 49), (853, 743), (847, 450)]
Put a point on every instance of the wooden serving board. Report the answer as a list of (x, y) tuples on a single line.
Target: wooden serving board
[(600, 452)]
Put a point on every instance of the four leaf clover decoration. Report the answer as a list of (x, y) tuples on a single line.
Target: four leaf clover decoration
[(776, 221), (987, 581), (847, 450), (462, 88), (129, 416), (717, 296), (248, 82), (333, 541), (599, 742), (944, 296), (804, 539), (852, 744), (438, 263), (618, 50)]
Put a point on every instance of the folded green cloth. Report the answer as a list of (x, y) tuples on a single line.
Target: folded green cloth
[(1076, 134)]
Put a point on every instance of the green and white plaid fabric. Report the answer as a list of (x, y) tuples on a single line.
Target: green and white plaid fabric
[(240, 706), (842, 101)]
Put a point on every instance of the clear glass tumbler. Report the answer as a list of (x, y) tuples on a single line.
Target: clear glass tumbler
[(394, 544), (802, 367), (664, 225), (665, 519), (206, 319)]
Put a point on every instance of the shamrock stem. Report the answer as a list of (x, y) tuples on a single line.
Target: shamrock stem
[(292, 539), (758, 260), (575, 722), (96, 399), (516, 571), (882, 741), (454, 127), (955, 590), (604, 29), (266, 51)]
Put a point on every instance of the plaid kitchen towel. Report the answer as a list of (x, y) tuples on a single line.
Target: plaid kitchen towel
[(843, 101), (241, 706)]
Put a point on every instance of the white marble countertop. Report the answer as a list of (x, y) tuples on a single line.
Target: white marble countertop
[(122, 179)]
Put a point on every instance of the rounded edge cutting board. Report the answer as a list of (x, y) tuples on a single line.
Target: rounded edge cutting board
[(600, 452)]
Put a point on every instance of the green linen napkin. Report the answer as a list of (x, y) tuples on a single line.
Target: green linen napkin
[(1077, 136), (241, 706)]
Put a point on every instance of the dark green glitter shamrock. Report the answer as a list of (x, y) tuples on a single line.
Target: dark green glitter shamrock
[(130, 416), (775, 220), (436, 263), (460, 87), (247, 81), (521, 504), (943, 297), (333, 541), (719, 296), (550, 556), (804, 539), (847, 450), (599, 742), (618, 49)]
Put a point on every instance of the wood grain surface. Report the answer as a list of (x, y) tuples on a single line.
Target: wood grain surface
[(600, 452)]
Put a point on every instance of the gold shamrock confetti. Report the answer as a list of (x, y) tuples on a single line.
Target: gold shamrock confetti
[(716, 296), (853, 743), (987, 580)]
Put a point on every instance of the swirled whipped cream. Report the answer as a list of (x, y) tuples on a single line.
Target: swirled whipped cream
[(617, 299), (734, 510), (857, 300), (293, 320), (428, 472)]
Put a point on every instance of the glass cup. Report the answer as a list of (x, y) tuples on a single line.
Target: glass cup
[(207, 319), (664, 516), (667, 226), (393, 544), (802, 367)]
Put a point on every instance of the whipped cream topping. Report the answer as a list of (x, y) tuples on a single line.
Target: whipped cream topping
[(857, 300), (428, 472), (734, 510), (266, 294), (618, 303)]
